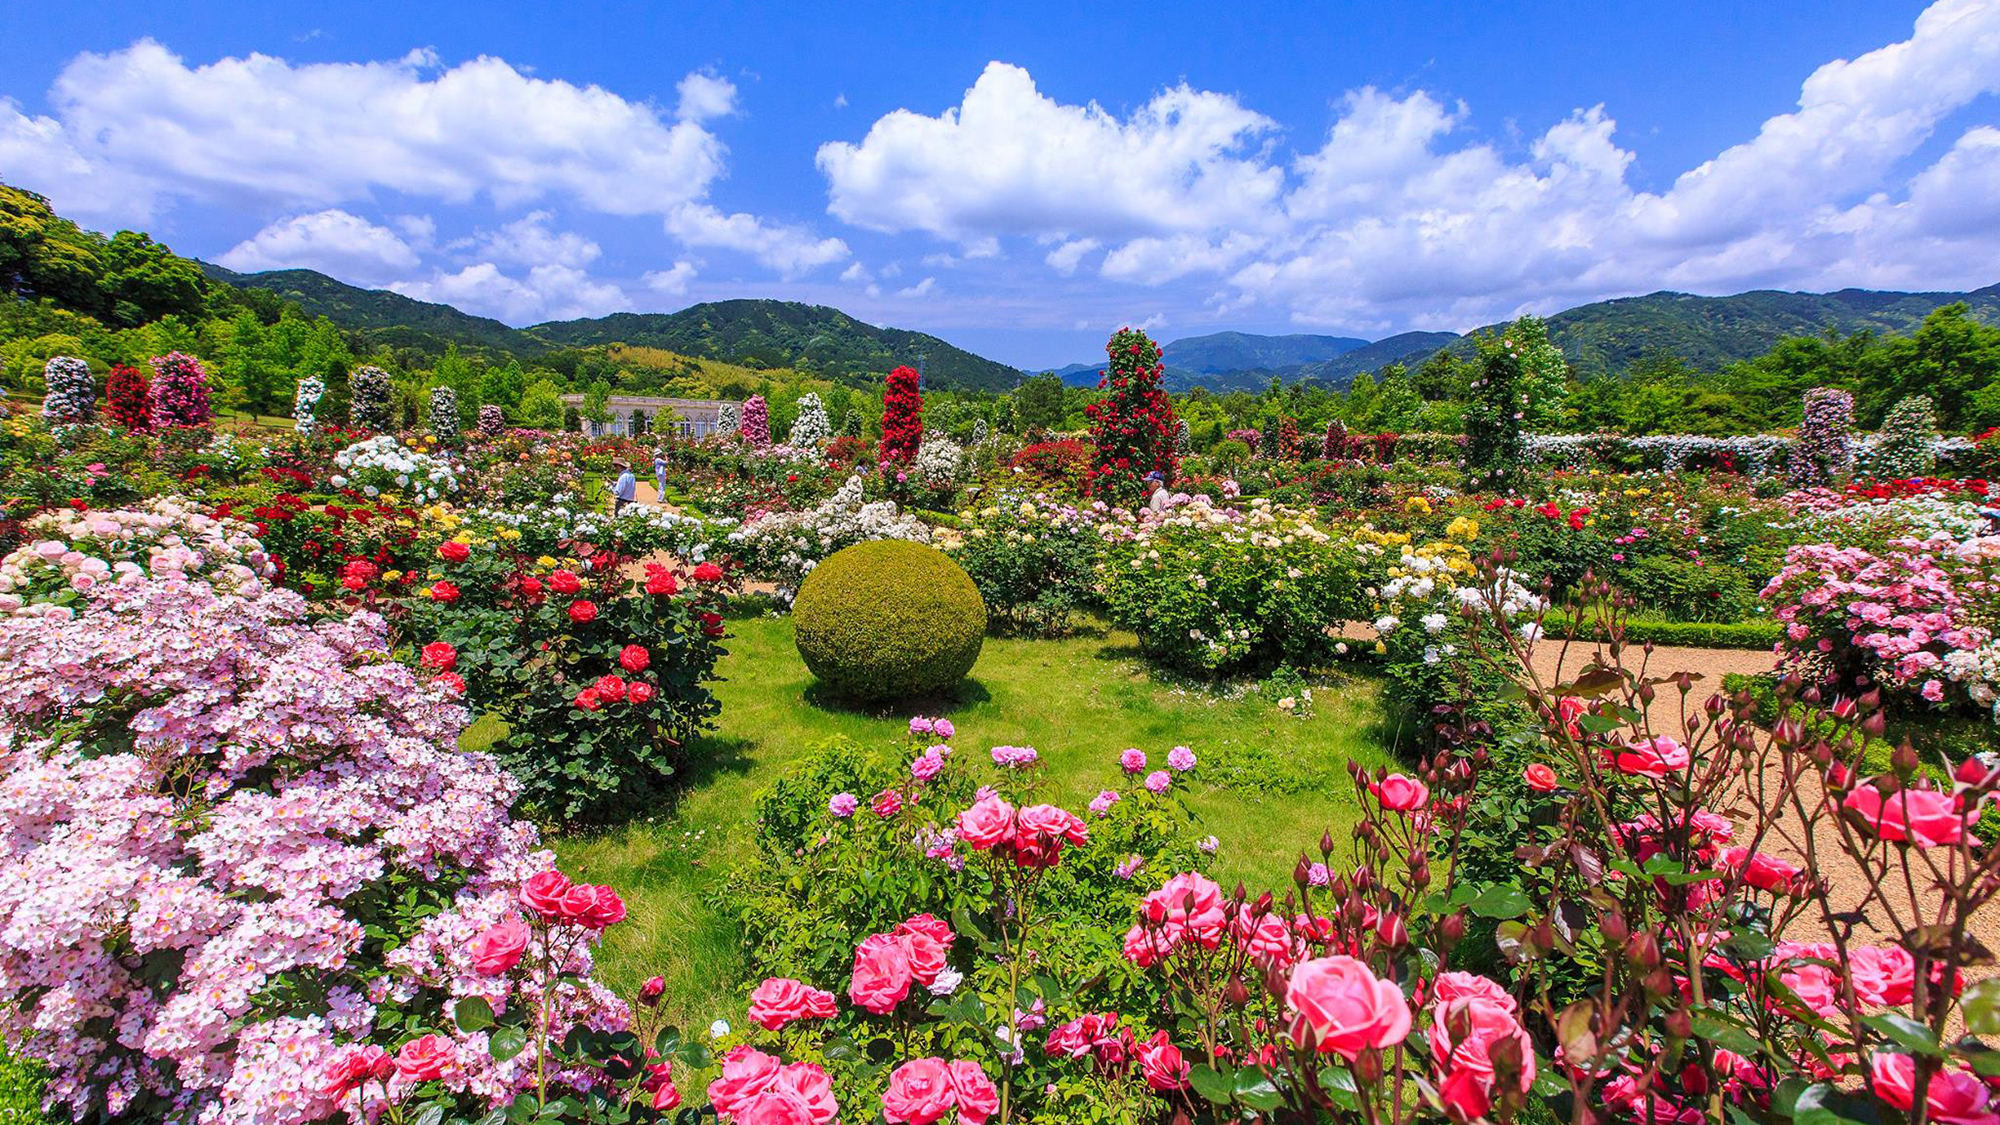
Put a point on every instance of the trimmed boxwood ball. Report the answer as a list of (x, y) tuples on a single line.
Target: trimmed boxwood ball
[(889, 620)]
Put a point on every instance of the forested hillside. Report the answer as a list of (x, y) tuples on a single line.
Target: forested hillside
[(389, 318), (815, 338)]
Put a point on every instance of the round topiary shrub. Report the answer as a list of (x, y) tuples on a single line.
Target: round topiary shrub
[(889, 620)]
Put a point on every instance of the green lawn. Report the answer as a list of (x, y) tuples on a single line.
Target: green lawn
[(1267, 784)]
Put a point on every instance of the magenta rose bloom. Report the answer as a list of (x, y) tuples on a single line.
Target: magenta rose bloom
[(919, 1093), (1399, 793), (427, 1058), (499, 947), (543, 893), (882, 974), (1924, 817)]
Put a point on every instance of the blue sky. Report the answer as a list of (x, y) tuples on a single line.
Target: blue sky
[(1022, 178)]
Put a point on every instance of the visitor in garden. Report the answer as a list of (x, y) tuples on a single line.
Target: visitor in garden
[(625, 490), (1157, 501), (659, 476)]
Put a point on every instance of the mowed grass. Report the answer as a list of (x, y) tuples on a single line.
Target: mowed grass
[(1268, 784)]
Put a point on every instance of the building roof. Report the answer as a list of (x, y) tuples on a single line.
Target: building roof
[(630, 401)]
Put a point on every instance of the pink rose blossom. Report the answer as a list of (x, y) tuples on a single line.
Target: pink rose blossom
[(1342, 1008)]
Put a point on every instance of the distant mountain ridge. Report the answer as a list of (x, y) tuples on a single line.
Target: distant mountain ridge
[(1220, 352), (384, 316), (767, 333), (1607, 337), (1600, 338)]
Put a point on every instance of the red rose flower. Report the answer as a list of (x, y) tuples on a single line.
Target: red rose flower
[(711, 624), (586, 700), (660, 580), (583, 611), (609, 688), (440, 656), (565, 582), (708, 572), (454, 552), (531, 586), (452, 682), (444, 592), (634, 658), (639, 692), (543, 893)]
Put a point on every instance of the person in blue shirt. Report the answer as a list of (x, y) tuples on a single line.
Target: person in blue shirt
[(659, 477), (625, 490)]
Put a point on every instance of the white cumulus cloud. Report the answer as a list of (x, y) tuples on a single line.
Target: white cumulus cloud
[(1403, 214), (672, 281), (790, 250), (332, 241), (547, 292), (1009, 160), (704, 96), (260, 128), (529, 241), (134, 131)]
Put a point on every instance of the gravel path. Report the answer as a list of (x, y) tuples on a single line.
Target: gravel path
[(1846, 879)]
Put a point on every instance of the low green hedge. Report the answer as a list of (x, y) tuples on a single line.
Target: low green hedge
[(1687, 634)]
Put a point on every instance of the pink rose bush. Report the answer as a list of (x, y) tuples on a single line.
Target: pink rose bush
[(209, 798), (1916, 618)]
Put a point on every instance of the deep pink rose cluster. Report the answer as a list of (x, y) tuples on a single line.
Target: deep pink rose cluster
[(1033, 836), (757, 1089), (922, 1091), (917, 951), (779, 1001), (1475, 1037)]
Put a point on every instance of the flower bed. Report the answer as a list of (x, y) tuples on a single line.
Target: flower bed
[(783, 547), (1210, 594), (246, 848)]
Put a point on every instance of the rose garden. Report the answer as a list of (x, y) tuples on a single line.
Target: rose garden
[(372, 770)]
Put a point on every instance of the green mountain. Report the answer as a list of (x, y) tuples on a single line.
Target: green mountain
[(1713, 332), (1221, 352), (1407, 348), (755, 333), (762, 333), (384, 317)]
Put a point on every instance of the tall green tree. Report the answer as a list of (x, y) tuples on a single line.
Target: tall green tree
[(143, 281), (1038, 401)]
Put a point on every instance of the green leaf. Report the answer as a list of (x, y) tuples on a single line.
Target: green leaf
[(506, 1043), (1255, 1089), (1981, 1005), (432, 1114), (1211, 1084), (1904, 1032), (473, 1014), (1502, 900), (1727, 1034)]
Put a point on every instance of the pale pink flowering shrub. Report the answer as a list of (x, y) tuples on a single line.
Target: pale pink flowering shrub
[(215, 811), (67, 554), (1916, 618)]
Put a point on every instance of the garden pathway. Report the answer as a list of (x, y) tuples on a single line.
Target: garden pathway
[(1845, 878)]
